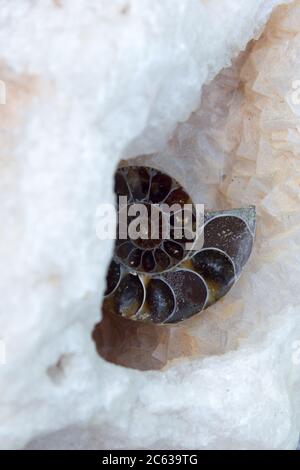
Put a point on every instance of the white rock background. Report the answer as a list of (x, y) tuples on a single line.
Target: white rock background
[(89, 83)]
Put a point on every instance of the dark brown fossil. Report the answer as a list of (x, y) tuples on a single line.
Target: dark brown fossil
[(159, 280)]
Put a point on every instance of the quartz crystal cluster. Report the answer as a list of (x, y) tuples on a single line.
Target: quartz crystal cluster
[(89, 83)]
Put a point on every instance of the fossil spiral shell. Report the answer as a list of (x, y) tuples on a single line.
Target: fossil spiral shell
[(158, 279)]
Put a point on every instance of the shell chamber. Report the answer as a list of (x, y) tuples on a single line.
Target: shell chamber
[(157, 279)]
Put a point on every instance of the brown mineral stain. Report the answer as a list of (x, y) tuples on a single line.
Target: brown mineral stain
[(58, 371), (125, 9), (57, 3), (141, 345), (19, 90)]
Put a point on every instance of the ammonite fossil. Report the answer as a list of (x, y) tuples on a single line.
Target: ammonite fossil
[(158, 279)]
